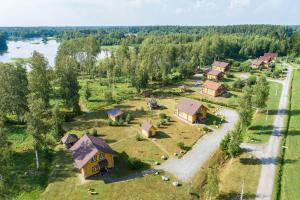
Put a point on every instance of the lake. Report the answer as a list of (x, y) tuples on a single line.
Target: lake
[(25, 48)]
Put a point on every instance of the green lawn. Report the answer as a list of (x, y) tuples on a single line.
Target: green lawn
[(262, 125), (291, 176)]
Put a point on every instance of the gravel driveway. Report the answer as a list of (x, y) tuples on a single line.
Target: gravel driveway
[(187, 166)]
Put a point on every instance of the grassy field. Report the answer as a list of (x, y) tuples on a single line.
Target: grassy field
[(262, 124), (290, 177), (233, 173)]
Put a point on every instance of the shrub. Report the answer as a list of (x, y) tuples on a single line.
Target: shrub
[(205, 128), (251, 80), (162, 115), (276, 73), (181, 145), (229, 75), (238, 84), (225, 143), (134, 163), (138, 137), (94, 132), (128, 118), (108, 96)]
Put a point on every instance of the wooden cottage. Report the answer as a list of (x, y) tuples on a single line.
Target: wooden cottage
[(221, 66), (69, 140), (92, 155), (215, 75), (213, 88), (152, 103), (115, 114), (256, 64), (148, 130), (191, 111), (265, 60)]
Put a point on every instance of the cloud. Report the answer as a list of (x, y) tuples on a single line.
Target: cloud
[(238, 4)]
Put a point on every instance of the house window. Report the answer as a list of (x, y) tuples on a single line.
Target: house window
[(94, 158), (101, 156), (95, 169)]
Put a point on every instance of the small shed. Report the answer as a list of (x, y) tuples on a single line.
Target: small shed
[(69, 140), (215, 75), (221, 66), (148, 130), (115, 114), (213, 88)]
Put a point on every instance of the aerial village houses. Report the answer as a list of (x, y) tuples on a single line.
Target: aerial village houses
[(191, 111), (115, 114), (215, 75), (69, 140), (92, 155), (213, 88), (256, 63), (220, 66), (148, 130)]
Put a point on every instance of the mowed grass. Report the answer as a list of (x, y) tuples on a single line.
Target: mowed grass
[(243, 169), (291, 176), (262, 124)]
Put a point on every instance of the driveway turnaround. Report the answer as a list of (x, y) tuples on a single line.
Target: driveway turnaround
[(187, 166)]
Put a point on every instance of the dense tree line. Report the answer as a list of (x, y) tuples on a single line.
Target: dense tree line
[(3, 45)]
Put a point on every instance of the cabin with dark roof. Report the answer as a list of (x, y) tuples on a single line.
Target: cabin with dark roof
[(69, 140), (92, 155), (191, 111), (215, 75), (148, 130), (221, 66), (213, 88), (115, 114)]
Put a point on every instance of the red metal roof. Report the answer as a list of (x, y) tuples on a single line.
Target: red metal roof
[(256, 62), (212, 85)]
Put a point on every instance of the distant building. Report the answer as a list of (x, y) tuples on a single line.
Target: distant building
[(148, 130), (221, 66), (69, 140), (191, 111), (92, 155), (256, 63), (215, 75), (115, 114), (213, 88), (266, 60)]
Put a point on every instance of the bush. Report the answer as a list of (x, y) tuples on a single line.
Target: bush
[(108, 96), (251, 80), (229, 75), (138, 137), (181, 145), (206, 129), (276, 73), (94, 132), (128, 118), (162, 115), (238, 84), (134, 163), (225, 143)]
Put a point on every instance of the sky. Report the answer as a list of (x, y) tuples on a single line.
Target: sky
[(147, 12)]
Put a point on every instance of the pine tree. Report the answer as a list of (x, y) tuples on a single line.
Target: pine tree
[(87, 92), (57, 123)]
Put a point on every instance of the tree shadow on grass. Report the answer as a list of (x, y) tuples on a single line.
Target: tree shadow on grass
[(161, 135), (235, 195)]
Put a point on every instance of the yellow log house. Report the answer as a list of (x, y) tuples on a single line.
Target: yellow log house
[(92, 155)]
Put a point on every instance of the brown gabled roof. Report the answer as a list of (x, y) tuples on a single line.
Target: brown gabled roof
[(147, 126), (86, 147), (257, 62), (69, 138), (212, 85), (188, 106), (265, 58), (272, 55), (214, 72), (220, 64)]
